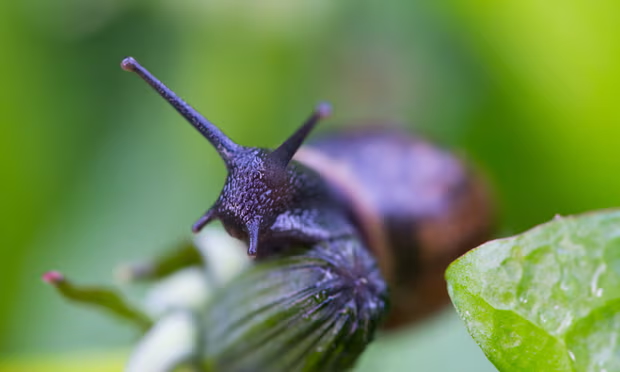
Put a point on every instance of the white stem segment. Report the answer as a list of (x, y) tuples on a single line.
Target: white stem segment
[(172, 342)]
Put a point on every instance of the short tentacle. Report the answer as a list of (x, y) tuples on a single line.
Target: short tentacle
[(204, 220), (284, 153)]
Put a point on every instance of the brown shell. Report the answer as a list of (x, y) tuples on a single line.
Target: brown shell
[(418, 206)]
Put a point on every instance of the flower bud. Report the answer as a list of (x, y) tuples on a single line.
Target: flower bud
[(314, 311)]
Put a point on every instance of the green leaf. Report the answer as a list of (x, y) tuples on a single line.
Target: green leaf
[(548, 299), (99, 297)]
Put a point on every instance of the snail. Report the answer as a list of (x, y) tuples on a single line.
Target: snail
[(415, 207), (349, 232)]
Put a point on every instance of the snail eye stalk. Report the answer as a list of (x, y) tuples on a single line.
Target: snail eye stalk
[(285, 152), (224, 146)]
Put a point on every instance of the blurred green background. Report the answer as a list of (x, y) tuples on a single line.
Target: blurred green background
[(98, 170)]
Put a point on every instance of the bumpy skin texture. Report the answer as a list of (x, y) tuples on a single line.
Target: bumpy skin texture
[(291, 206)]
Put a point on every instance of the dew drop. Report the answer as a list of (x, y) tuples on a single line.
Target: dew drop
[(594, 287)]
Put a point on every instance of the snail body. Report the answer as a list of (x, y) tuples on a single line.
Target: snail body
[(334, 224)]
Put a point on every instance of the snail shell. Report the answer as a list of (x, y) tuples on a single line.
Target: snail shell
[(417, 205)]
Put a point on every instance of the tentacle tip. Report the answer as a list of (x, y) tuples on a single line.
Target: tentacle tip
[(203, 220), (197, 227), (53, 277), (323, 109), (129, 64)]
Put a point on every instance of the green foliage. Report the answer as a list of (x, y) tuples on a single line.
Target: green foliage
[(548, 299), (102, 298), (78, 362)]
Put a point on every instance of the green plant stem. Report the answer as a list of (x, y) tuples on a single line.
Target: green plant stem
[(182, 256), (102, 298)]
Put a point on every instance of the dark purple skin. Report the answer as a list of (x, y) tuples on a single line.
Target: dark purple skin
[(268, 201), (273, 208)]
